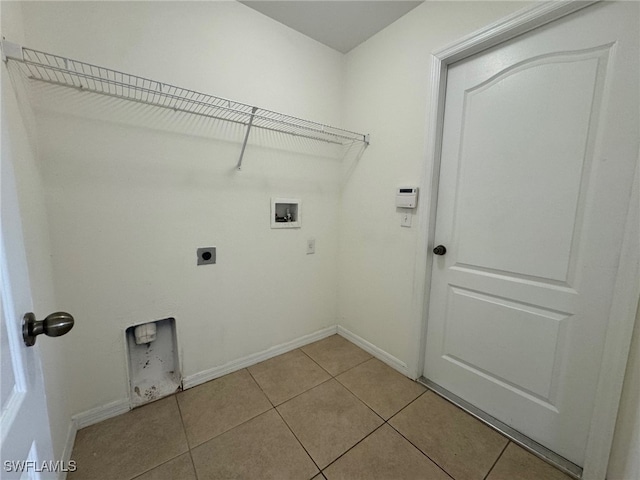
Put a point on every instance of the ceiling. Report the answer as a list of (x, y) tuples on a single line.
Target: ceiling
[(339, 24)]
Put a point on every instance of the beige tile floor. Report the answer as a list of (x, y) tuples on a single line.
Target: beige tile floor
[(328, 410)]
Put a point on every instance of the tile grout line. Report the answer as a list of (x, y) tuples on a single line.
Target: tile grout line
[(183, 430), (184, 427), (362, 401), (229, 429), (425, 454), (363, 438), (300, 443), (158, 466), (193, 464), (274, 407), (497, 460), (296, 395), (302, 393), (490, 426), (418, 448), (371, 357), (367, 435), (285, 422), (407, 405), (259, 386), (331, 377), (384, 422), (371, 408), (309, 357), (354, 445)]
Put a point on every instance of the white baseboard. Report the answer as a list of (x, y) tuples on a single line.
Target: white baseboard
[(234, 365), (377, 352), (98, 414), (119, 407)]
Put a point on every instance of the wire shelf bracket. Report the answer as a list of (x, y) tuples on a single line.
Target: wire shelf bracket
[(246, 136), (57, 70)]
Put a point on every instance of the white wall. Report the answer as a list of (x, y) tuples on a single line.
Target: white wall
[(131, 191)]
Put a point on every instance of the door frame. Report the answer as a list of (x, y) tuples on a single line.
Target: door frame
[(627, 285)]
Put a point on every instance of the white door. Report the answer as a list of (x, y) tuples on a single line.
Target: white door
[(540, 143), (24, 424)]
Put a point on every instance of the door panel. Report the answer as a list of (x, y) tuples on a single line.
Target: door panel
[(559, 108), (539, 149), (24, 422), (482, 330)]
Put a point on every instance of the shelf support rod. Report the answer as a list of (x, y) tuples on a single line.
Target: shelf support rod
[(246, 136)]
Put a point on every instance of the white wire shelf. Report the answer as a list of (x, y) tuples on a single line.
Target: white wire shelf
[(67, 72)]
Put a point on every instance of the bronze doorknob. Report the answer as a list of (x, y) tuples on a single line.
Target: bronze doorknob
[(440, 250), (54, 325)]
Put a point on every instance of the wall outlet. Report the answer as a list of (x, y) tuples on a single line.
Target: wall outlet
[(311, 246), (206, 256), (405, 220)]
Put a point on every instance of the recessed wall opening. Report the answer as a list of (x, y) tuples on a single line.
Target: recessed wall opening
[(154, 370), (286, 213)]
